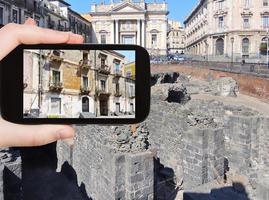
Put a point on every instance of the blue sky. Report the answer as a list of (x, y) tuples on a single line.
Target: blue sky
[(130, 55), (179, 9)]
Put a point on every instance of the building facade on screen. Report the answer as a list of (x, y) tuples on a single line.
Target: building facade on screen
[(72, 84), (228, 30), (131, 22)]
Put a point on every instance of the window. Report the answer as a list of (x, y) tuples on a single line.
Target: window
[(1, 15), (246, 3), (85, 104), (245, 46), (131, 107), (128, 39), (246, 22), (118, 107), (117, 66), (103, 85), (220, 4), (154, 39), (14, 16), (55, 105), (265, 2), (103, 61), (56, 77), (85, 82), (131, 92), (103, 39), (221, 22), (265, 21), (219, 46)]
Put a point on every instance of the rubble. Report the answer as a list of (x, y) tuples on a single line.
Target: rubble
[(225, 86)]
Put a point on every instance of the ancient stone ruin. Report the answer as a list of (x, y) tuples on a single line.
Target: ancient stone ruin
[(188, 148)]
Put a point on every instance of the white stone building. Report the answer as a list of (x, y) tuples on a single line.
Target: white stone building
[(228, 30), (131, 22), (175, 37)]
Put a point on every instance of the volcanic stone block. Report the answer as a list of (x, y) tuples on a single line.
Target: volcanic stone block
[(203, 156)]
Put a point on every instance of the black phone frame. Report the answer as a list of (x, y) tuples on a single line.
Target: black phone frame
[(11, 85)]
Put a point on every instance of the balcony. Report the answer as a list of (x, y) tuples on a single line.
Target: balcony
[(131, 95), (104, 69), (118, 73), (56, 55), (84, 90), (55, 86), (85, 64), (102, 92), (117, 94)]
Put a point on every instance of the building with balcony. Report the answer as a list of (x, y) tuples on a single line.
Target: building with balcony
[(228, 30), (131, 22), (52, 14), (175, 37), (64, 83)]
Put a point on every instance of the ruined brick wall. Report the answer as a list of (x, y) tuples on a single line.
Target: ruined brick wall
[(104, 171)]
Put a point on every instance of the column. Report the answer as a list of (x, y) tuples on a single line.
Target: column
[(138, 35), (143, 35), (117, 32), (112, 32)]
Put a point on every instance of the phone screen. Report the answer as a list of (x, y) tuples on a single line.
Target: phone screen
[(79, 83)]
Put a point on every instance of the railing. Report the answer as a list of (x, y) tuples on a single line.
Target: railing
[(117, 94), (55, 86), (118, 73), (85, 64), (56, 55), (84, 90), (102, 92), (104, 69)]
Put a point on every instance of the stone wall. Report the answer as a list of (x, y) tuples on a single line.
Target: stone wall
[(106, 168)]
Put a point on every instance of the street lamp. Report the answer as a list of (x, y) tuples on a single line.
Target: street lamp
[(232, 53)]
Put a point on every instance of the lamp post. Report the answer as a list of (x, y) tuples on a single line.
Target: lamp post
[(232, 53)]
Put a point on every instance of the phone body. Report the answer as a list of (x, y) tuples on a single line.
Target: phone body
[(75, 84)]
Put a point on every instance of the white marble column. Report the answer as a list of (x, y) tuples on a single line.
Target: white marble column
[(138, 35), (117, 32), (112, 32), (143, 35)]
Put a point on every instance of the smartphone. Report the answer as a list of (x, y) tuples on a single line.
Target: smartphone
[(75, 84)]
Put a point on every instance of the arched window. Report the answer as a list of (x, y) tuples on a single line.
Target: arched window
[(219, 46), (245, 47), (263, 46), (85, 104)]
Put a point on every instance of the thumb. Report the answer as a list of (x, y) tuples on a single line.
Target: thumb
[(15, 135)]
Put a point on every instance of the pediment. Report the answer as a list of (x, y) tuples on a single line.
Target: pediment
[(127, 7)]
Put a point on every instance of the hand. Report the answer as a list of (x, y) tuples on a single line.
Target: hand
[(14, 135)]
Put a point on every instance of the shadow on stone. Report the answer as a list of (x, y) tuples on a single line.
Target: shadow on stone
[(40, 180), (165, 186), (222, 193)]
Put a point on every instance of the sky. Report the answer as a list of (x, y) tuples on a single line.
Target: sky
[(129, 55), (179, 9)]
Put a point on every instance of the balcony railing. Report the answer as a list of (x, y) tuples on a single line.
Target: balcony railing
[(131, 95), (100, 92), (55, 86), (85, 64), (118, 73), (84, 90), (117, 94), (104, 69), (56, 55)]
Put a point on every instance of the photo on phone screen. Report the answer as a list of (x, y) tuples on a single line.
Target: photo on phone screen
[(79, 83)]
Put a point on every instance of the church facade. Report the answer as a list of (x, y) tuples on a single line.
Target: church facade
[(129, 22)]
